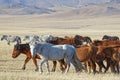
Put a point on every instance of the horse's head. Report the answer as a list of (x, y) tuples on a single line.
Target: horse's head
[(20, 48), (26, 38), (16, 50), (3, 37)]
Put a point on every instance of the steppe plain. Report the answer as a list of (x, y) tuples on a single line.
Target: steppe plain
[(95, 27)]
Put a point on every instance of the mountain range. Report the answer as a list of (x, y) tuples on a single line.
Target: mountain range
[(79, 7)]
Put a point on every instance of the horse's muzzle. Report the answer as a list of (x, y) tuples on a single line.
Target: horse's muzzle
[(13, 56)]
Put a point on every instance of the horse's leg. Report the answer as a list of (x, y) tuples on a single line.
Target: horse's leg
[(8, 42), (54, 66), (65, 65), (68, 65), (40, 65), (25, 62), (117, 66), (108, 64), (89, 64), (61, 62), (35, 63), (47, 66), (85, 64), (112, 67), (93, 65), (75, 65), (101, 65)]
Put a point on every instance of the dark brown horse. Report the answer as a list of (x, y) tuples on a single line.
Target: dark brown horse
[(111, 55), (106, 37), (25, 49), (80, 39)]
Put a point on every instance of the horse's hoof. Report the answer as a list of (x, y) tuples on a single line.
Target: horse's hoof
[(62, 69), (40, 72), (53, 70), (23, 68), (36, 69)]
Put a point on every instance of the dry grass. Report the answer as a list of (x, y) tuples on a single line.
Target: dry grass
[(10, 69)]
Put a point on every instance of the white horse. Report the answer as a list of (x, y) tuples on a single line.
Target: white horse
[(46, 38), (41, 38), (10, 38), (31, 38), (49, 51)]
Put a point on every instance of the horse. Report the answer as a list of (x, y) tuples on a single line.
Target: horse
[(79, 40), (86, 54), (41, 38), (111, 55), (10, 38), (106, 37), (59, 40), (25, 49), (46, 38), (31, 38), (49, 51), (105, 42)]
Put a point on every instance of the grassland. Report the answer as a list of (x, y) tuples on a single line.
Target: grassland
[(95, 27)]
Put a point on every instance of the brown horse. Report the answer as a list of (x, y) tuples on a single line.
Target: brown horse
[(25, 49), (84, 54), (115, 58), (111, 55), (105, 42), (87, 54), (59, 40)]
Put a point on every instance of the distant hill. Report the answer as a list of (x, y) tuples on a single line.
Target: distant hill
[(49, 3), (76, 7)]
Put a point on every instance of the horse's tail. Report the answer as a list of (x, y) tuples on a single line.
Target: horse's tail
[(79, 64)]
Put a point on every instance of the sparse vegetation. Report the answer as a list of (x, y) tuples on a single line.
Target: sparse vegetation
[(10, 69)]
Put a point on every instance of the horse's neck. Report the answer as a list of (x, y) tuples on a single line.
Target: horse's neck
[(27, 53)]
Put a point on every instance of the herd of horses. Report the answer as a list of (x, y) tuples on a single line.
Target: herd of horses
[(83, 52)]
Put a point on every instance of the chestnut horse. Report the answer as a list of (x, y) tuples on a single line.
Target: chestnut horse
[(25, 49), (59, 40), (87, 54), (111, 55)]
